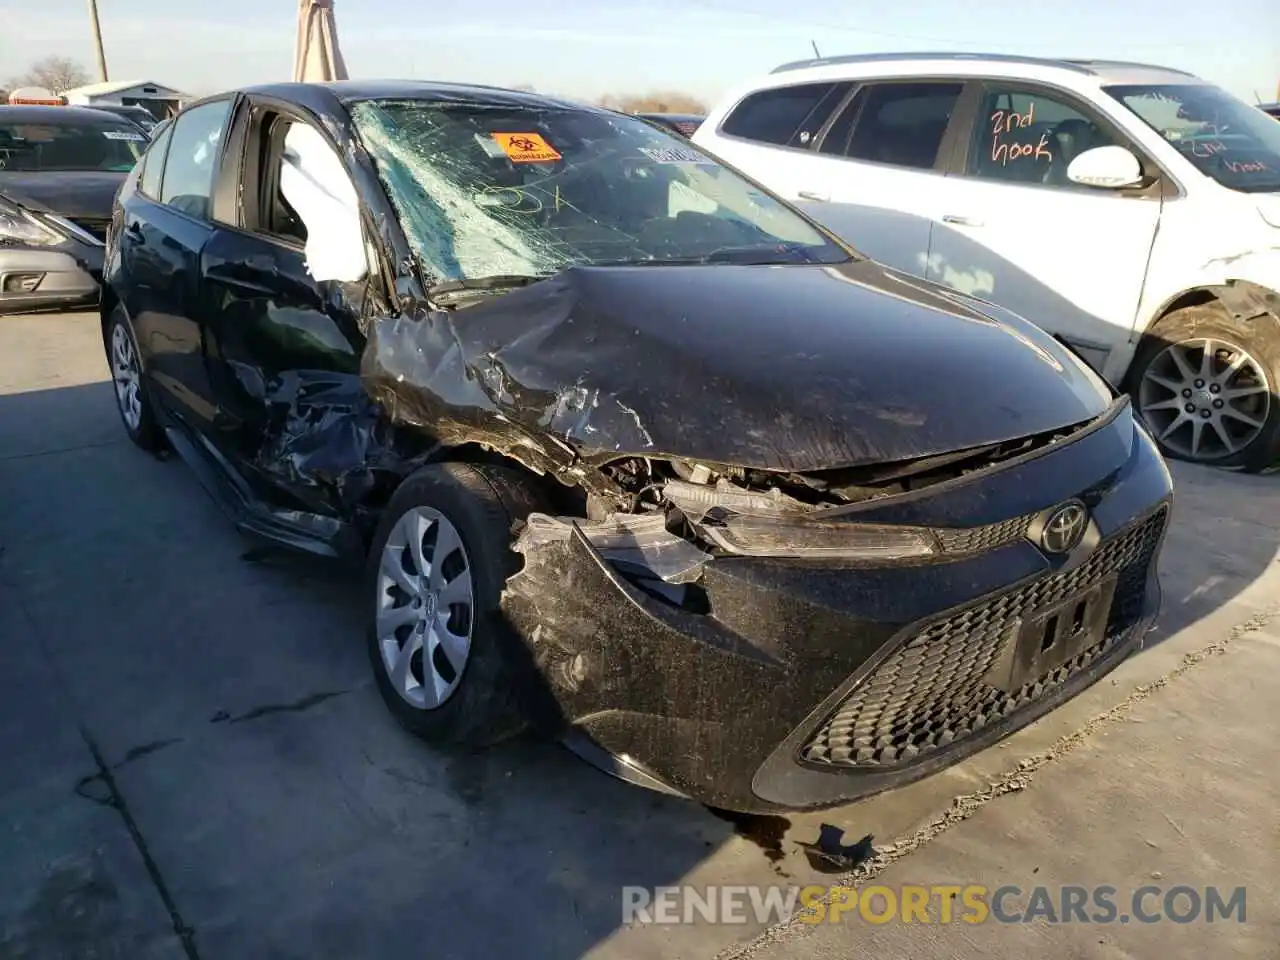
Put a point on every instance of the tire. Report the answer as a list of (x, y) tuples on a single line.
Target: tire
[(481, 505), (1252, 417), (132, 400)]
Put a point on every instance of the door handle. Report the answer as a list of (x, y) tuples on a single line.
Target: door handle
[(133, 231), (810, 195), (961, 221)]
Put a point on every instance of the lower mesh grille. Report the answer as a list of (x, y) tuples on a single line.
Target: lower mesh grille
[(934, 691)]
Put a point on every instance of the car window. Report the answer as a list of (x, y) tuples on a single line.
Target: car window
[(153, 168), (836, 139), (530, 190), (1222, 136), (45, 145), (192, 158), (272, 214), (787, 116), (1031, 137), (903, 123), (305, 195)]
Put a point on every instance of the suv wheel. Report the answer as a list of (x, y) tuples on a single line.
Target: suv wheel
[(437, 567), (1206, 386), (130, 388)]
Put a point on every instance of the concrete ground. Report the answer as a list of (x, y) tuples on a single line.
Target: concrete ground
[(194, 761)]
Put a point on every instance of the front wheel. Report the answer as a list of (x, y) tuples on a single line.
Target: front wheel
[(437, 567), (126, 376), (1205, 385)]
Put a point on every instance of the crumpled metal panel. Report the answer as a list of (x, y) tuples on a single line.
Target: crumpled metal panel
[(329, 443), (713, 364)]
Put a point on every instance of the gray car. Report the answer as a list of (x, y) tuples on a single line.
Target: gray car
[(60, 170)]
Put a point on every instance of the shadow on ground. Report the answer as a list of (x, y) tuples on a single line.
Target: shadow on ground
[(285, 814)]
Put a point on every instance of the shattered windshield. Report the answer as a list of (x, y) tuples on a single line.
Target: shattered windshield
[(1227, 139), (486, 190)]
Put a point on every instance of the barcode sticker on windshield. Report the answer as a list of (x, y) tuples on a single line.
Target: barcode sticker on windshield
[(673, 155), (123, 135)]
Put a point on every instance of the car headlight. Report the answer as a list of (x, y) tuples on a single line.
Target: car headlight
[(758, 536), (759, 524), (18, 226)]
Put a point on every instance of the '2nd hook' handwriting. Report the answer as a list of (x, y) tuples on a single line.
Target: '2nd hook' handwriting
[(1003, 122)]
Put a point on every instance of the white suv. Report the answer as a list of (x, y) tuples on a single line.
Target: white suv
[(1133, 211)]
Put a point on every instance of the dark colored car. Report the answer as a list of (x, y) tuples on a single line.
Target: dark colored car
[(682, 123), (629, 447), (1270, 108), (60, 169), (144, 118)]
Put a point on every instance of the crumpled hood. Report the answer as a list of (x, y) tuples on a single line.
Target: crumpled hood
[(787, 368), (72, 193)]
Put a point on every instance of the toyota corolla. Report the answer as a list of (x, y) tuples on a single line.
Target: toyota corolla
[(630, 448)]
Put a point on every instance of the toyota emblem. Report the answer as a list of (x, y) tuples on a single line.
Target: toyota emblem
[(1064, 529)]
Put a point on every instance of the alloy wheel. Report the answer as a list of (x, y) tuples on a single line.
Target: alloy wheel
[(425, 607), (1205, 399), (127, 376)]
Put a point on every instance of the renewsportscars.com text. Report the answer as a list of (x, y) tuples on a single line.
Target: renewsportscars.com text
[(936, 903)]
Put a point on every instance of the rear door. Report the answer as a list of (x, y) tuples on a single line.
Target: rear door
[(769, 133), (1014, 230), (879, 168), (164, 229), (270, 325)]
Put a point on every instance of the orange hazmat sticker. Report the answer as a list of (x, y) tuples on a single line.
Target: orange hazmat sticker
[(525, 147)]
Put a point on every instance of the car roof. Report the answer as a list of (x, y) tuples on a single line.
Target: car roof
[(694, 117), (32, 113), (979, 64), (321, 97)]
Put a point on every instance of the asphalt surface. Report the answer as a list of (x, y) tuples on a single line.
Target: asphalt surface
[(194, 761)]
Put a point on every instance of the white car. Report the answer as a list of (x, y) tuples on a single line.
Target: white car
[(1131, 210)]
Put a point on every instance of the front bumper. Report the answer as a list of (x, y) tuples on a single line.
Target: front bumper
[(45, 278), (790, 684)]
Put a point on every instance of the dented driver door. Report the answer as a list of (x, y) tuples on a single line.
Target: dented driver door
[(270, 322)]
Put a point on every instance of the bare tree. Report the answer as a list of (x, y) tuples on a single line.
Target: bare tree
[(660, 101), (53, 73)]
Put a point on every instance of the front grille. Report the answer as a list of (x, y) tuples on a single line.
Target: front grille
[(977, 539), (933, 690), (95, 228)]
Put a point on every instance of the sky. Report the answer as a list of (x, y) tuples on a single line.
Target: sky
[(586, 48)]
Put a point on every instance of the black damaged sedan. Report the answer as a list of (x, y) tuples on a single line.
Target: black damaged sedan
[(629, 448)]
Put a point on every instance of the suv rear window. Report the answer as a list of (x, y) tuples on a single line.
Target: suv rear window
[(42, 146), (903, 123), (784, 115)]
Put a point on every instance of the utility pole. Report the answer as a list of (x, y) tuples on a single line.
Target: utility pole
[(97, 40)]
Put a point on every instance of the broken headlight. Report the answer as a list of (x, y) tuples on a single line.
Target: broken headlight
[(798, 536), (771, 524)]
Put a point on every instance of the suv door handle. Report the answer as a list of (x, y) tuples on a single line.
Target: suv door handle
[(961, 221), (810, 195)]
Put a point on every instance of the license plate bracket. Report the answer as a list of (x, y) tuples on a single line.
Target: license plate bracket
[(1053, 636)]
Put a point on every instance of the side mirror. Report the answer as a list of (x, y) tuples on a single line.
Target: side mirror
[(1111, 167)]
